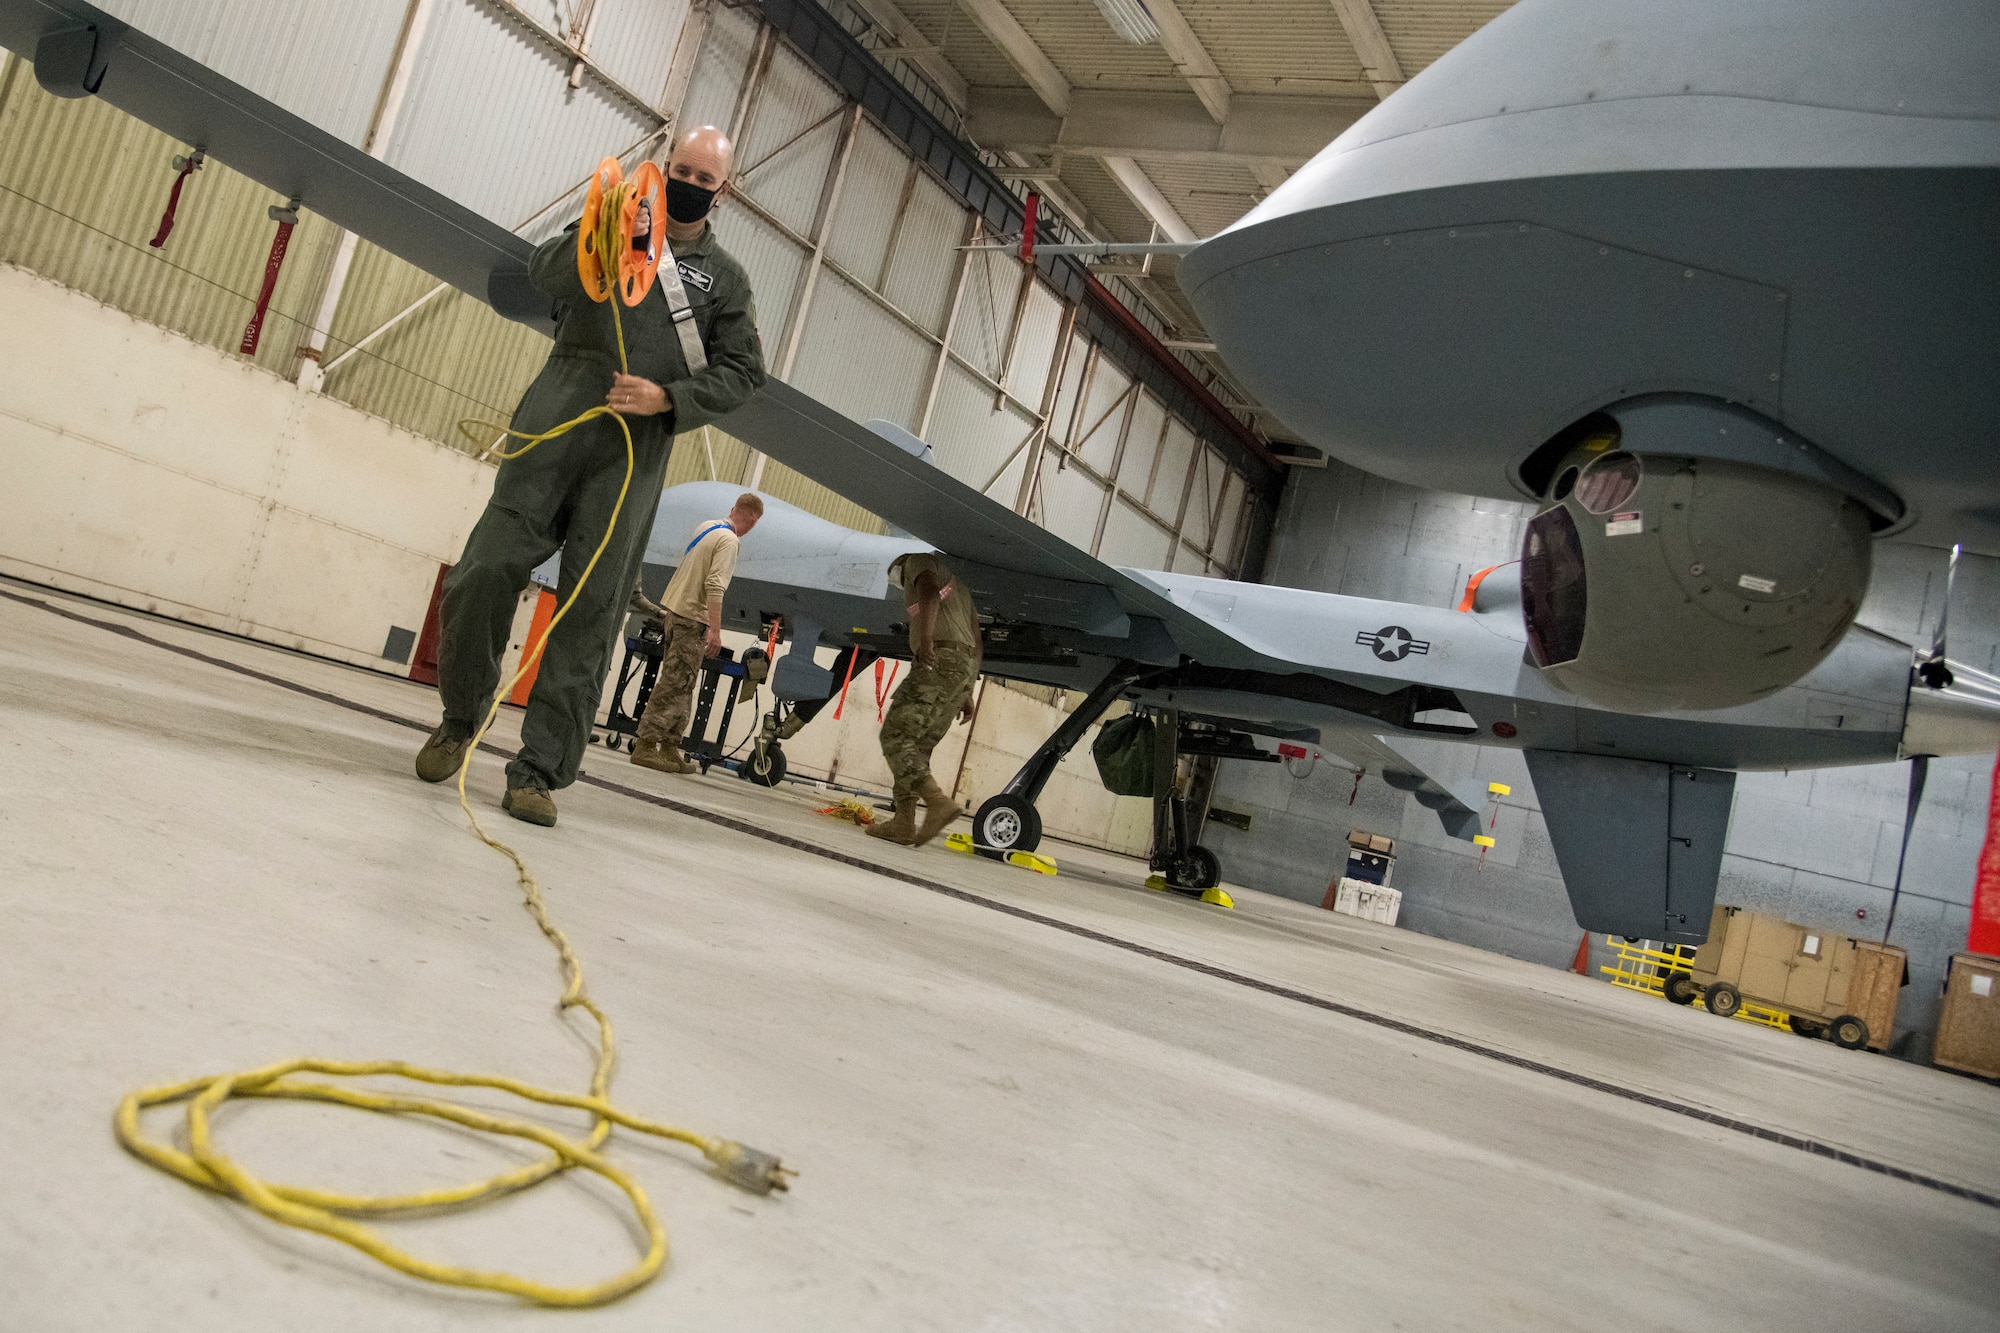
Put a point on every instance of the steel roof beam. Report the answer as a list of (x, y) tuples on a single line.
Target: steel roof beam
[(1139, 188), (1027, 58), (1364, 32), (1191, 58)]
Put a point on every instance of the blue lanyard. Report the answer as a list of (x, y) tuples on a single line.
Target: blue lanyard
[(719, 527)]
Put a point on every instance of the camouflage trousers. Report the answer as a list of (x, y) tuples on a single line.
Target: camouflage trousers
[(665, 721), (925, 704)]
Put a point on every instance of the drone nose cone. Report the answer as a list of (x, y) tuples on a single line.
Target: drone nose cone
[(1960, 717)]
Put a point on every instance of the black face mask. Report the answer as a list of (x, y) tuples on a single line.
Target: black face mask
[(688, 202)]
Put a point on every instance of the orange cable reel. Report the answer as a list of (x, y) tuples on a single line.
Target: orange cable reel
[(637, 267), (590, 267)]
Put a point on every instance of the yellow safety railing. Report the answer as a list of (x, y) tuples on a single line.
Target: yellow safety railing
[(1644, 966)]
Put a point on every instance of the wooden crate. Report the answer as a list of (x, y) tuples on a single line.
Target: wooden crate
[(1875, 979), (1968, 1035)]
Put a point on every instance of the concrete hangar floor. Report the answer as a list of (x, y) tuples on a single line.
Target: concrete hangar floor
[(1016, 1102)]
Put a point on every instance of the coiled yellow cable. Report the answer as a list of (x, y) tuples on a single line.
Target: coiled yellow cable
[(333, 1214)]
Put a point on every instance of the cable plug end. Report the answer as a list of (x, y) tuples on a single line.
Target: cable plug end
[(747, 1168)]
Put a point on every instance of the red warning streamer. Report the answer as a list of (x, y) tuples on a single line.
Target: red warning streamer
[(884, 690), (1984, 935), (255, 328), (853, 656), (189, 165)]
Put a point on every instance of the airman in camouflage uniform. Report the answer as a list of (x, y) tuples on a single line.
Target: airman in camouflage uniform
[(944, 641)]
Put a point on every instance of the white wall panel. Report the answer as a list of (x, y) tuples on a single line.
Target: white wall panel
[(1142, 444), (859, 359), (972, 440), (861, 231), (1133, 540), (1035, 348), (1103, 416), (1070, 503), (925, 265), (1223, 544), (720, 69), (1170, 474), (492, 122), (1202, 491), (980, 333), (1005, 486), (323, 60), (1062, 416), (633, 40), (194, 484), (774, 165), (772, 260)]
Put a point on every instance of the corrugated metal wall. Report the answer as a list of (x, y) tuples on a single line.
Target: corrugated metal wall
[(492, 122), (633, 40), (82, 186), (322, 59), (893, 320)]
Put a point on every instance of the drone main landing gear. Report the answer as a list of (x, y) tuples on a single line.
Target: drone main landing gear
[(1178, 861), (1009, 822)]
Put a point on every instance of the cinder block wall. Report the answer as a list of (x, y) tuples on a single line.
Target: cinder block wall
[(1814, 847)]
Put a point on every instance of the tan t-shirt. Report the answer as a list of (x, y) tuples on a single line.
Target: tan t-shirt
[(957, 618), (704, 572)]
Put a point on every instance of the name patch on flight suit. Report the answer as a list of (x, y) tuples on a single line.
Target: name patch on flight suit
[(694, 277)]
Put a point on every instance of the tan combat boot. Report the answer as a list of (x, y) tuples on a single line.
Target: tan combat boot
[(531, 805), (902, 828), (662, 758), (939, 811), (441, 757)]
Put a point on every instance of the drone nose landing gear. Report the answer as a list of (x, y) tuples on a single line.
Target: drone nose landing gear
[(765, 764)]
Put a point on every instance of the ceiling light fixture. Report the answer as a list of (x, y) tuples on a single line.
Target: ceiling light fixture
[(1129, 19)]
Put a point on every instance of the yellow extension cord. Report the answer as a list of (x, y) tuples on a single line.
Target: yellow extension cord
[(333, 1214)]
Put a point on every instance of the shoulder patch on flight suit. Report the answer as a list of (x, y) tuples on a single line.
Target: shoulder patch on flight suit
[(694, 277)]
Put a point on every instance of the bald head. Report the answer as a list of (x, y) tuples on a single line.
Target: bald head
[(706, 153), (697, 179)]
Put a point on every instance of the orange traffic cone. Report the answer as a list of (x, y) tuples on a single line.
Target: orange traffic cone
[(1581, 963)]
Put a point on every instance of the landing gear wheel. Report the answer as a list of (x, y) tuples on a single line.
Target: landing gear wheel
[(1722, 1000), (1006, 823), (764, 766), (1805, 1027), (1197, 869), (1848, 1032), (1680, 988)]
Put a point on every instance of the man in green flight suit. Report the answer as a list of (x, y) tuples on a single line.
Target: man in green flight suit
[(562, 494)]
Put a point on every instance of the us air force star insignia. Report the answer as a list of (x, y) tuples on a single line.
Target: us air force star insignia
[(1392, 643), (694, 277)]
